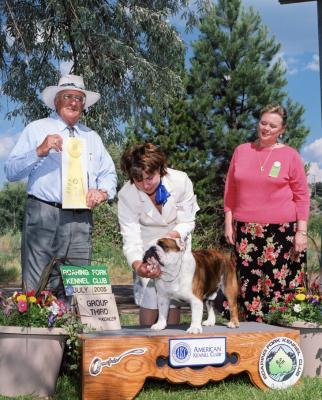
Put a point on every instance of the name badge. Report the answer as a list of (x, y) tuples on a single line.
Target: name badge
[(275, 170)]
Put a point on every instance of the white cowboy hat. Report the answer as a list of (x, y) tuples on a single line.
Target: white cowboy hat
[(68, 82)]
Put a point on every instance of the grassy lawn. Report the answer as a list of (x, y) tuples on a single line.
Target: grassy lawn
[(238, 387), (231, 389), (10, 269)]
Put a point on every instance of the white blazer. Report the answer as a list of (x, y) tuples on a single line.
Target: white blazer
[(141, 222)]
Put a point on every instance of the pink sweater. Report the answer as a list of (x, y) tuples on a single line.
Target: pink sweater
[(254, 196)]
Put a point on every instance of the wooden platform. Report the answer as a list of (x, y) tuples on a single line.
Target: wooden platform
[(116, 363)]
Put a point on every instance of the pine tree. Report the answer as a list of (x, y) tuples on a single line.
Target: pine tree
[(234, 73), (126, 50)]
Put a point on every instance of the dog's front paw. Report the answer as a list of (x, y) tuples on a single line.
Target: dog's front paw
[(233, 324), (194, 329), (209, 322), (158, 326)]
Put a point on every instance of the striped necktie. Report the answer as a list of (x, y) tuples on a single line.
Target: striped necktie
[(71, 131)]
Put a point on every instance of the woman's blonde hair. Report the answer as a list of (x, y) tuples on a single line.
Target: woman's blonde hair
[(276, 109)]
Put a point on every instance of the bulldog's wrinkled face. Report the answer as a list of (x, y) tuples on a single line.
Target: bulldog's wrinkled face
[(166, 251), (151, 256), (169, 250)]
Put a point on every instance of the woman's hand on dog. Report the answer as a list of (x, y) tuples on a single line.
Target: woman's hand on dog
[(146, 270)]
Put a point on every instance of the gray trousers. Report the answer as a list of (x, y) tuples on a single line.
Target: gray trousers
[(50, 232)]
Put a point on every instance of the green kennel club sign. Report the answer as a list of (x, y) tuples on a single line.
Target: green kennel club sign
[(85, 279)]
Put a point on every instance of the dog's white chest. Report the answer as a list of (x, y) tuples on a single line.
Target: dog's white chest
[(180, 287), (168, 287)]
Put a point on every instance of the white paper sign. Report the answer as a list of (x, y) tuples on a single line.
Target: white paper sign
[(98, 311), (189, 352)]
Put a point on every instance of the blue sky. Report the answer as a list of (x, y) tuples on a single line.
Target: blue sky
[(295, 28)]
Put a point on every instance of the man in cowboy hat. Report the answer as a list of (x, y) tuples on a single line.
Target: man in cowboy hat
[(50, 230)]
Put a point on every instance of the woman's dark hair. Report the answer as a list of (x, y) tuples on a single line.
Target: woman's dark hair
[(141, 158), (276, 109)]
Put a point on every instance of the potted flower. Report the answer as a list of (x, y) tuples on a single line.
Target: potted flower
[(302, 310), (302, 305), (28, 310), (33, 333)]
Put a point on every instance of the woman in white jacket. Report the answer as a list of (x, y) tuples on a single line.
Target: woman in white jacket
[(156, 201)]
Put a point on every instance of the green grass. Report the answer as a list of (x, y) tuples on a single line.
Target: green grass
[(67, 388), (10, 270), (8, 275), (119, 271), (238, 387)]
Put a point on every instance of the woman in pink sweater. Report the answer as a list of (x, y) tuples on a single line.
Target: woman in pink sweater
[(266, 208)]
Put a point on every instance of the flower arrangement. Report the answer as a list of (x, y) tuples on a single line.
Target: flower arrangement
[(29, 310), (44, 311), (301, 305)]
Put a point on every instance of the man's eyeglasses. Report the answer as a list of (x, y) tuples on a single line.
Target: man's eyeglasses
[(77, 97)]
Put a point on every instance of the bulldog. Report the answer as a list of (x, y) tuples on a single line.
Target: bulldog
[(192, 276)]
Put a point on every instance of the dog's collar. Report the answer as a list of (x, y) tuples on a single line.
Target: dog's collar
[(177, 274)]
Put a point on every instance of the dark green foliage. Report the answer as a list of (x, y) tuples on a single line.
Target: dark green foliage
[(234, 73), (127, 51), (12, 201), (295, 133), (106, 228), (69, 386), (316, 190), (115, 150), (7, 274)]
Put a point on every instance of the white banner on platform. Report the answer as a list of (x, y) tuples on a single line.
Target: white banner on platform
[(189, 352), (98, 311)]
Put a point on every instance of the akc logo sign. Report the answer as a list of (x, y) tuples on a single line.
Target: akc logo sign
[(192, 352), (281, 363), (181, 352)]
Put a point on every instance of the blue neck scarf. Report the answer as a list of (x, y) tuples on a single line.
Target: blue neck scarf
[(161, 194)]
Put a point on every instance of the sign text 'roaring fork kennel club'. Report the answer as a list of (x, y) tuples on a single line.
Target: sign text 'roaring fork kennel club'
[(85, 279)]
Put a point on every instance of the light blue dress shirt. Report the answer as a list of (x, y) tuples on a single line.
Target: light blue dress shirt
[(44, 173)]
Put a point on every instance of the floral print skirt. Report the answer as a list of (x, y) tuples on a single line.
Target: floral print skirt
[(266, 265)]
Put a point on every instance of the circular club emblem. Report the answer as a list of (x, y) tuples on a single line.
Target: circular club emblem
[(69, 290), (181, 352), (281, 363)]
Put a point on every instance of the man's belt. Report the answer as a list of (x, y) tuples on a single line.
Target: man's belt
[(51, 203), (58, 205)]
